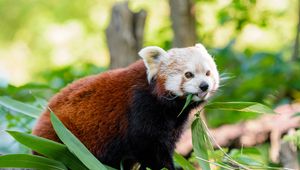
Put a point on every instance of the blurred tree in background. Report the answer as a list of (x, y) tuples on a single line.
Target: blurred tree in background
[(45, 45)]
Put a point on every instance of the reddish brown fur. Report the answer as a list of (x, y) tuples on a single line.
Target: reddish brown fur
[(88, 107), (160, 88)]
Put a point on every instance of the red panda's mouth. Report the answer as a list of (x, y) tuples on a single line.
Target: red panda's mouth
[(202, 95)]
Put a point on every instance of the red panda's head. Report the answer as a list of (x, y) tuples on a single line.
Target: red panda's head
[(182, 71)]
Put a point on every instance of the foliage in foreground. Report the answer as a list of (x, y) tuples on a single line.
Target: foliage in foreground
[(74, 155)]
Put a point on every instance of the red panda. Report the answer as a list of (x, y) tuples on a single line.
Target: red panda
[(131, 114)]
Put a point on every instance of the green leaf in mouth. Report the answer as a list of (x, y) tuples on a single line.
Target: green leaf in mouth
[(187, 102)]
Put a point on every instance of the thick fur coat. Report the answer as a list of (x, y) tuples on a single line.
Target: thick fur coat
[(131, 114)]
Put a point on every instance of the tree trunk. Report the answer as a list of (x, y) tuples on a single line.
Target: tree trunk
[(124, 35), (288, 156), (183, 22)]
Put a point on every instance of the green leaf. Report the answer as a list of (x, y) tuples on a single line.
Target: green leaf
[(180, 160), (240, 106), (201, 143), (20, 107), (245, 160), (49, 148), (187, 102), (75, 146), (30, 161)]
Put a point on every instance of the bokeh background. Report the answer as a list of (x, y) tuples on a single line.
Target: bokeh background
[(44, 45)]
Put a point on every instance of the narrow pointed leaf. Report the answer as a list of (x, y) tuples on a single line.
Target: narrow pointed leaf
[(180, 160), (245, 160), (30, 161), (187, 102), (49, 148), (20, 107), (75, 146), (240, 106), (201, 143)]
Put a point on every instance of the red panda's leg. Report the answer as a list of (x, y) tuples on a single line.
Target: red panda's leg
[(155, 156), (159, 161)]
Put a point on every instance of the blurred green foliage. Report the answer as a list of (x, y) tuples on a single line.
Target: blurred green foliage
[(256, 76), (44, 45)]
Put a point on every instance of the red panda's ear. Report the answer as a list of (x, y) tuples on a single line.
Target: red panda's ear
[(201, 47), (152, 56)]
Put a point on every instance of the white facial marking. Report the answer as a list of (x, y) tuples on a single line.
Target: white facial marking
[(173, 84), (195, 60)]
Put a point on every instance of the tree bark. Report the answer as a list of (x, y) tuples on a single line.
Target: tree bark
[(183, 22), (288, 156), (124, 35)]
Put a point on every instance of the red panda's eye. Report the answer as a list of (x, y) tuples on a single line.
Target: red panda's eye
[(189, 75), (208, 73)]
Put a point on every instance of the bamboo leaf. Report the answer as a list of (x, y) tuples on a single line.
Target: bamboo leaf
[(201, 143), (187, 102), (180, 160), (20, 107), (75, 146), (245, 160), (49, 148), (30, 161), (240, 106)]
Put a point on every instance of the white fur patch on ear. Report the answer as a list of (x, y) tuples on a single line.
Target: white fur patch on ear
[(201, 47), (152, 56)]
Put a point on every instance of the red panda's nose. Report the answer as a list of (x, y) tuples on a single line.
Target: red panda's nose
[(203, 86)]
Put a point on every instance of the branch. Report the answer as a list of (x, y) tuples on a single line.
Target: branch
[(251, 132)]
